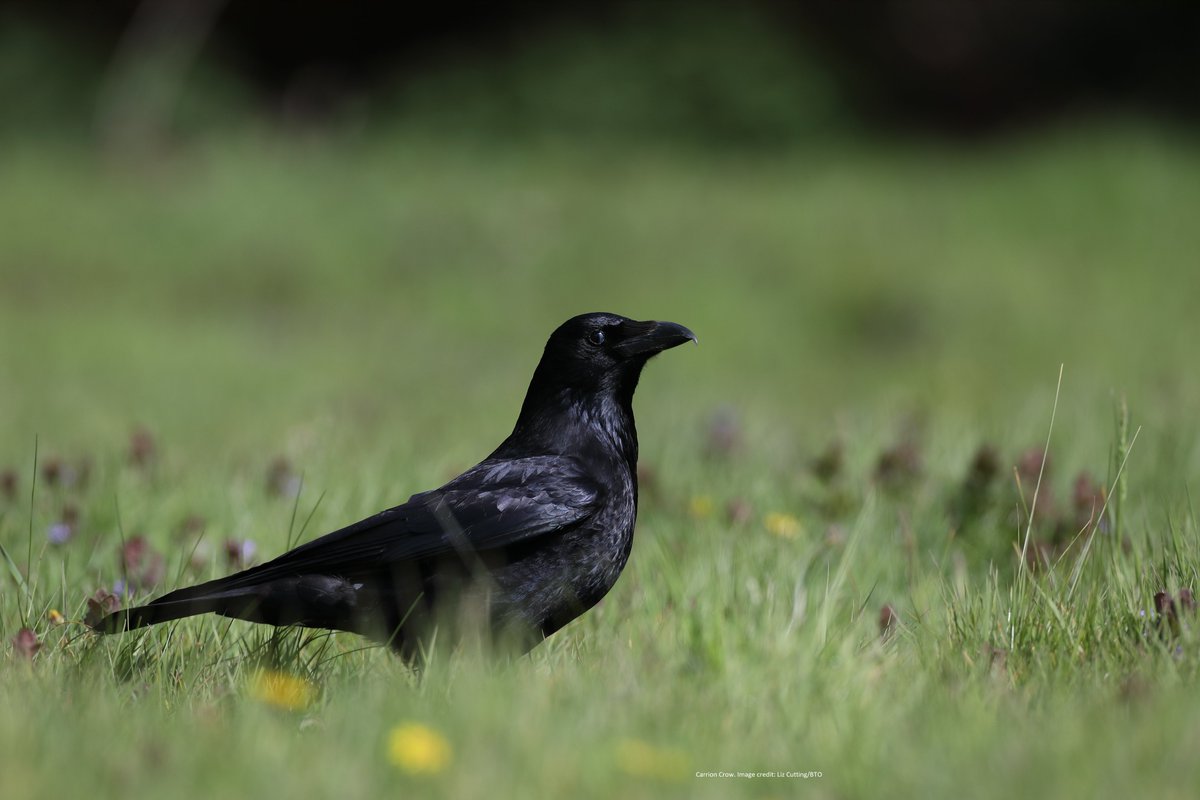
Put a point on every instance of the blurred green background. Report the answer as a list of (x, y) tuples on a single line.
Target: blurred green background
[(208, 207), (338, 234)]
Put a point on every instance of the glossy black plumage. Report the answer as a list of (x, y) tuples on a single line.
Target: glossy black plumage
[(529, 538)]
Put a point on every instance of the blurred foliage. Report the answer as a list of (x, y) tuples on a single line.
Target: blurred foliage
[(61, 85), (48, 82), (714, 75), (705, 75)]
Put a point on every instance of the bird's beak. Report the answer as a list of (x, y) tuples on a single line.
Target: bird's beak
[(648, 338)]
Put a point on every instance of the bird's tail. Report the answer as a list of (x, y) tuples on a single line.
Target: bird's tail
[(315, 600), (202, 599)]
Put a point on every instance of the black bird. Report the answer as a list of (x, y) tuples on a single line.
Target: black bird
[(533, 536)]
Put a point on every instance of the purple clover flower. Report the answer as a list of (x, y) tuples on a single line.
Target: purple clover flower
[(59, 533)]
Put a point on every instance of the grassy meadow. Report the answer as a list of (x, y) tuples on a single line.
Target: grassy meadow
[(257, 338)]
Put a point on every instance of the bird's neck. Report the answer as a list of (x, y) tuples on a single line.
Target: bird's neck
[(576, 423), (608, 419)]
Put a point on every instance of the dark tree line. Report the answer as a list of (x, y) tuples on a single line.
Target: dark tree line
[(943, 64)]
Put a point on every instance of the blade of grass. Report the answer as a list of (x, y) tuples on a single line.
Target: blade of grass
[(1087, 546), (308, 519), (295, 508), (1041, 469), (28, 605)]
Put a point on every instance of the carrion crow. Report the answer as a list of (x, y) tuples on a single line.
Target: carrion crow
[(523, 542)]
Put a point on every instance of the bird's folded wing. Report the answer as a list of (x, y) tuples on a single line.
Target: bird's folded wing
[(493, 505)]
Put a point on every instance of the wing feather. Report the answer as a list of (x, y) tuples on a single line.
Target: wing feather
[(493, 505)]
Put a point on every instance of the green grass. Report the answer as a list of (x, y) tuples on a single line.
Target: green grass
[(371, 309)]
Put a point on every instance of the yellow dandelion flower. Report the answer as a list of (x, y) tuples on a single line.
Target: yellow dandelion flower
[(785, 526), (701, 506), (282, 690), (641, 759), (56, 617), (417, 749)]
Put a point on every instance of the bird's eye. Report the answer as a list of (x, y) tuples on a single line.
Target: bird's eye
[(596, 337)]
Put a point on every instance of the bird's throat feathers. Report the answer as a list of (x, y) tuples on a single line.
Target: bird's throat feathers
[(572, 422), (610, 419)]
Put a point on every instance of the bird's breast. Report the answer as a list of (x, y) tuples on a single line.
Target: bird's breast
[(549, 583)]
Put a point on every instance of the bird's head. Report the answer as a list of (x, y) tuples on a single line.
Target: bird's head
[(589, 370), (599, 352)]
